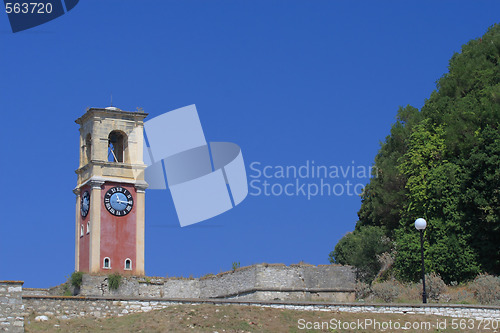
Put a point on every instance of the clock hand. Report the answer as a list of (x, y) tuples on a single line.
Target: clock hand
[(120, 201)]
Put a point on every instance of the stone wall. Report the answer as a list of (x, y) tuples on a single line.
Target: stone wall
[(11, 306), (62, 307), (264, 282), (14, 306), (260, 282), (36, 292)]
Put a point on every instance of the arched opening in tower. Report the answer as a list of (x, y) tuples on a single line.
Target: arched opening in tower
[(117, 144)]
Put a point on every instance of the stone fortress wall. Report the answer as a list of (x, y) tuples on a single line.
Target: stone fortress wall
[(11, 306), (69, 307), (257, 282), (301, 287), (263, 282)]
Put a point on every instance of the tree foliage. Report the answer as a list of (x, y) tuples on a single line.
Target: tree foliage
[(441, 163), (360, 249)]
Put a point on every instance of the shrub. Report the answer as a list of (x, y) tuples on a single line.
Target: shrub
[(486, 289), (461, 295), (410, 293), (434, 286), (362, 290), (114, 281), (386, 261), (66, 291), (76, 279), (387, 290), (236, 264)]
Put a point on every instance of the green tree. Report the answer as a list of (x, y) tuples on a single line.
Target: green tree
[(442, 163), (360, 249), (383, 198), (481, 199), (433, 193)]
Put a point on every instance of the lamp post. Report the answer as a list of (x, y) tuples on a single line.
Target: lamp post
[(420, 224)]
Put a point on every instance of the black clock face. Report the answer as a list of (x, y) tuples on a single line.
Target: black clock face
[(118, 201), (85, 204)]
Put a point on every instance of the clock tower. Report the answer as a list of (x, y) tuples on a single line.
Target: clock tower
[(110, 192)]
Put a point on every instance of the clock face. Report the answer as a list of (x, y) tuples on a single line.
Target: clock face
[(118, 201), (85, 204)]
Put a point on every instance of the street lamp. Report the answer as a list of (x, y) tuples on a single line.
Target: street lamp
[(420, 224)]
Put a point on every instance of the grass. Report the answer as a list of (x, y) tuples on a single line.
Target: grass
[(231, 318), (412, 293)]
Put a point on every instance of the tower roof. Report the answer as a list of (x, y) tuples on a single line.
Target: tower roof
[(110, 112)]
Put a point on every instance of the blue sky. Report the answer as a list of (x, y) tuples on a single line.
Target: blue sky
[(288, 81)]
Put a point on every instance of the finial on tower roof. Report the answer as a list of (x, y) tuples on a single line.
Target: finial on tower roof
[(111, 107)]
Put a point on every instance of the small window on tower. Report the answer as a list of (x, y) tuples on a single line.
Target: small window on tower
[(128, 264), (81, 230), (88, 227), (107, 263)]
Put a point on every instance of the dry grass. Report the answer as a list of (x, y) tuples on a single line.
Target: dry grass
[(412, 293), (485, 290), (231, 318)]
